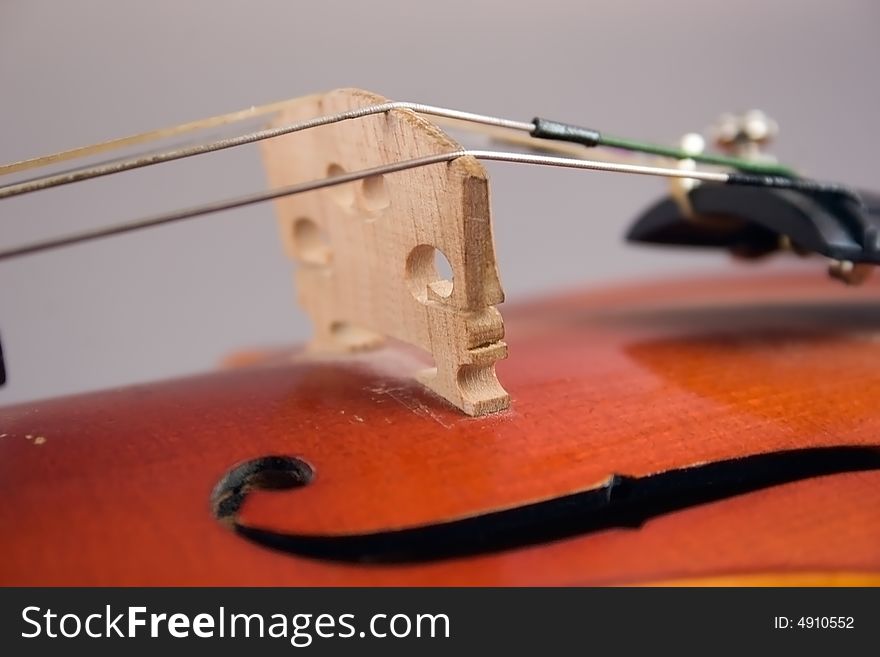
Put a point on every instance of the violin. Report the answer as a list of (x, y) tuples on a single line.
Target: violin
[(717, 431)]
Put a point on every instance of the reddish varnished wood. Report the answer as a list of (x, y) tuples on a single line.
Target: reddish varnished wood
[(632, 381)]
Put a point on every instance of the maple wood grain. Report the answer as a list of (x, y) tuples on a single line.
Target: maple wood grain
[(113, 488)]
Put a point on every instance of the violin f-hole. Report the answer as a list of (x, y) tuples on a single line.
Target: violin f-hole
[(619, 502), (263, 473)]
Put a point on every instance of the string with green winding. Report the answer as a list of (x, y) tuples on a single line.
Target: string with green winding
[(560, 131), (751, 166)]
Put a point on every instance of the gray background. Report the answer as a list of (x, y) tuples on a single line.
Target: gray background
[(175, 300)]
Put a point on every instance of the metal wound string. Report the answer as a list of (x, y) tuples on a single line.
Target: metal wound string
[(488, 155), (537, 128), (87, 173)]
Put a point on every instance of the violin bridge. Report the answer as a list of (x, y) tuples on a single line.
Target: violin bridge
[(367, 252)]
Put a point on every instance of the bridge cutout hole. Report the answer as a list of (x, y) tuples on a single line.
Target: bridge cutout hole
[(374, 195), (429, 274), (345, 193), (310, 243), (355, 337)]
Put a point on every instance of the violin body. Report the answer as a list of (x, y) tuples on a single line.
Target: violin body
[(115, 488)]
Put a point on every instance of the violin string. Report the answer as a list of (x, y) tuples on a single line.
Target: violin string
[(489, 155), (500, 133), (108, 160), (146, 137), (105, 169), (537, 128)]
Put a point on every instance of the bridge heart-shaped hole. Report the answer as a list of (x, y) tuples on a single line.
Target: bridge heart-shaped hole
[(429, 274)]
